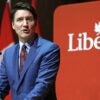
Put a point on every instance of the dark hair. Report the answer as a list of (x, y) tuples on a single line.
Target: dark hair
[(23, 6)]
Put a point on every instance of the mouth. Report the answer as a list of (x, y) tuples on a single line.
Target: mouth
[(25, 31)]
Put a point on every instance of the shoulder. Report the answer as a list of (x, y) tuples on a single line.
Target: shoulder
[(11, 48), (46, 43), (47, 46)]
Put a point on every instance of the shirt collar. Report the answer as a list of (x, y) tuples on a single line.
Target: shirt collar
[(26, 44)]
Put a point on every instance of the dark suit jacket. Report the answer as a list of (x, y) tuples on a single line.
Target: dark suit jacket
[(37, 80)]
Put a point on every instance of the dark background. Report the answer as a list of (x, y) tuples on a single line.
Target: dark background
[(45, 10)]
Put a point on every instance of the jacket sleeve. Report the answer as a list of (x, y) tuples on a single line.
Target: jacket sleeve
[(46, 75), (4, 85)]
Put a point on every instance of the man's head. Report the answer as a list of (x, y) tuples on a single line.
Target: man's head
[(24, 19), (23, 6)]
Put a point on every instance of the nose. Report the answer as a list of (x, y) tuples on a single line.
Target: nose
[(25, 22)]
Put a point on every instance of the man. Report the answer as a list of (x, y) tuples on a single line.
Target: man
[(35, 78)]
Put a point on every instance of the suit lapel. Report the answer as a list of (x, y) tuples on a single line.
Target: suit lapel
[(30, 58), (15, 60)]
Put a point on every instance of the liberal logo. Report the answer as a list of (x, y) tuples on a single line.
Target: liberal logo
[(84, 42), (97, 28)]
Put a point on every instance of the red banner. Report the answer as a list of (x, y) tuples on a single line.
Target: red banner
[(77, 31)]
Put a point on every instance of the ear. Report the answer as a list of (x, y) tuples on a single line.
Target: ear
[(13, 26)]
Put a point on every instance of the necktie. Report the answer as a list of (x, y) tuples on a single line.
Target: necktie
[(23, 55)]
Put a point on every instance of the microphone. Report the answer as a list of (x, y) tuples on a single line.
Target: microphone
[(0, 52)]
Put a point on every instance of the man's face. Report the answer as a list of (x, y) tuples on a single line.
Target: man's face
[(24, 25)]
